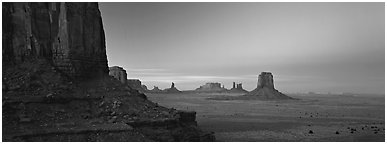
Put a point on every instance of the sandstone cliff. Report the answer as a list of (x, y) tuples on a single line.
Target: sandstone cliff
[(56, 85), (69, 35)]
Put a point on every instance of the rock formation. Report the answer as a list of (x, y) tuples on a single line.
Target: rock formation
[(144, 88), (173, 89), (265, 88), (119, 73), (211, 87), (69, 35), (155, 90), (136, 84), (56, 85), (237, 89)]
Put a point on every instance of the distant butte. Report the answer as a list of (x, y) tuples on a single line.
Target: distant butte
[(265, 89), (211, 87), (173, 89), (237, 89)]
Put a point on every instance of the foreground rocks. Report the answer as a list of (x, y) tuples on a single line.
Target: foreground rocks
[(56, 85), (49, 107)]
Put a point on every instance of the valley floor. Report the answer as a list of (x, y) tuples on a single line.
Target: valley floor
[(311, 118)]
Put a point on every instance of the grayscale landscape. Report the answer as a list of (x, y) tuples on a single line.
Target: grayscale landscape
[(193, 72)]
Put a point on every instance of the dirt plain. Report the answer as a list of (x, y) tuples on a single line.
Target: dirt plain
[(317, 118)]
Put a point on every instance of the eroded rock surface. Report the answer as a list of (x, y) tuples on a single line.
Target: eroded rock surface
[(118, 73), (56, 85), (136, 84), (69, 35)]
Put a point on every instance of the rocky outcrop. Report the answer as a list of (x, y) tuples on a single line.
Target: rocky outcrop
[(136, 84), (211, 87), (155, 90), (265, 88), (118, 73), (237, 88), (144, 88), (69, 35), (56, 85), (265, 79), (173, 89)]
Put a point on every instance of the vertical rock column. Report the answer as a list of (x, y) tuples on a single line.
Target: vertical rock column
[(79, 48), (70, 35), (265, 79)]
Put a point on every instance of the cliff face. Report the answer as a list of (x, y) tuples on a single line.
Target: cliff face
[(69, 35), (265, 79), (119, 73), (42, 42)]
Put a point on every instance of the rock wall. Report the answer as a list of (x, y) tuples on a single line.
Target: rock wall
[(118, 73), (265, 79), (136, 84), (69, 35)]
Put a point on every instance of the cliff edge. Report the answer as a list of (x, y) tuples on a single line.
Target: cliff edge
[(56, 85)]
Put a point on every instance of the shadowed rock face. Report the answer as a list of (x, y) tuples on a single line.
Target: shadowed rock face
[(119, 73), (136, 84), (265, 79), (265, 89), (69, 35), (44, 41)]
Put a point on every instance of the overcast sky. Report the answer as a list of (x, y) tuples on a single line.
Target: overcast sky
[(319, 47)]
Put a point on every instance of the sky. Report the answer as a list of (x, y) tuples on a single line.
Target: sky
[(309, 47)]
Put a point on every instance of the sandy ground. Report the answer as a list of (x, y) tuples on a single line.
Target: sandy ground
[(312, 118)]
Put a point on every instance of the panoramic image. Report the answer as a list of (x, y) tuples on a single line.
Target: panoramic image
[(193, 72)]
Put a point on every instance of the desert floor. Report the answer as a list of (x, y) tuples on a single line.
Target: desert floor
[(311, 118)]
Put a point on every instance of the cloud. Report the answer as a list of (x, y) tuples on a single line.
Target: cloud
[(190, 78)]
